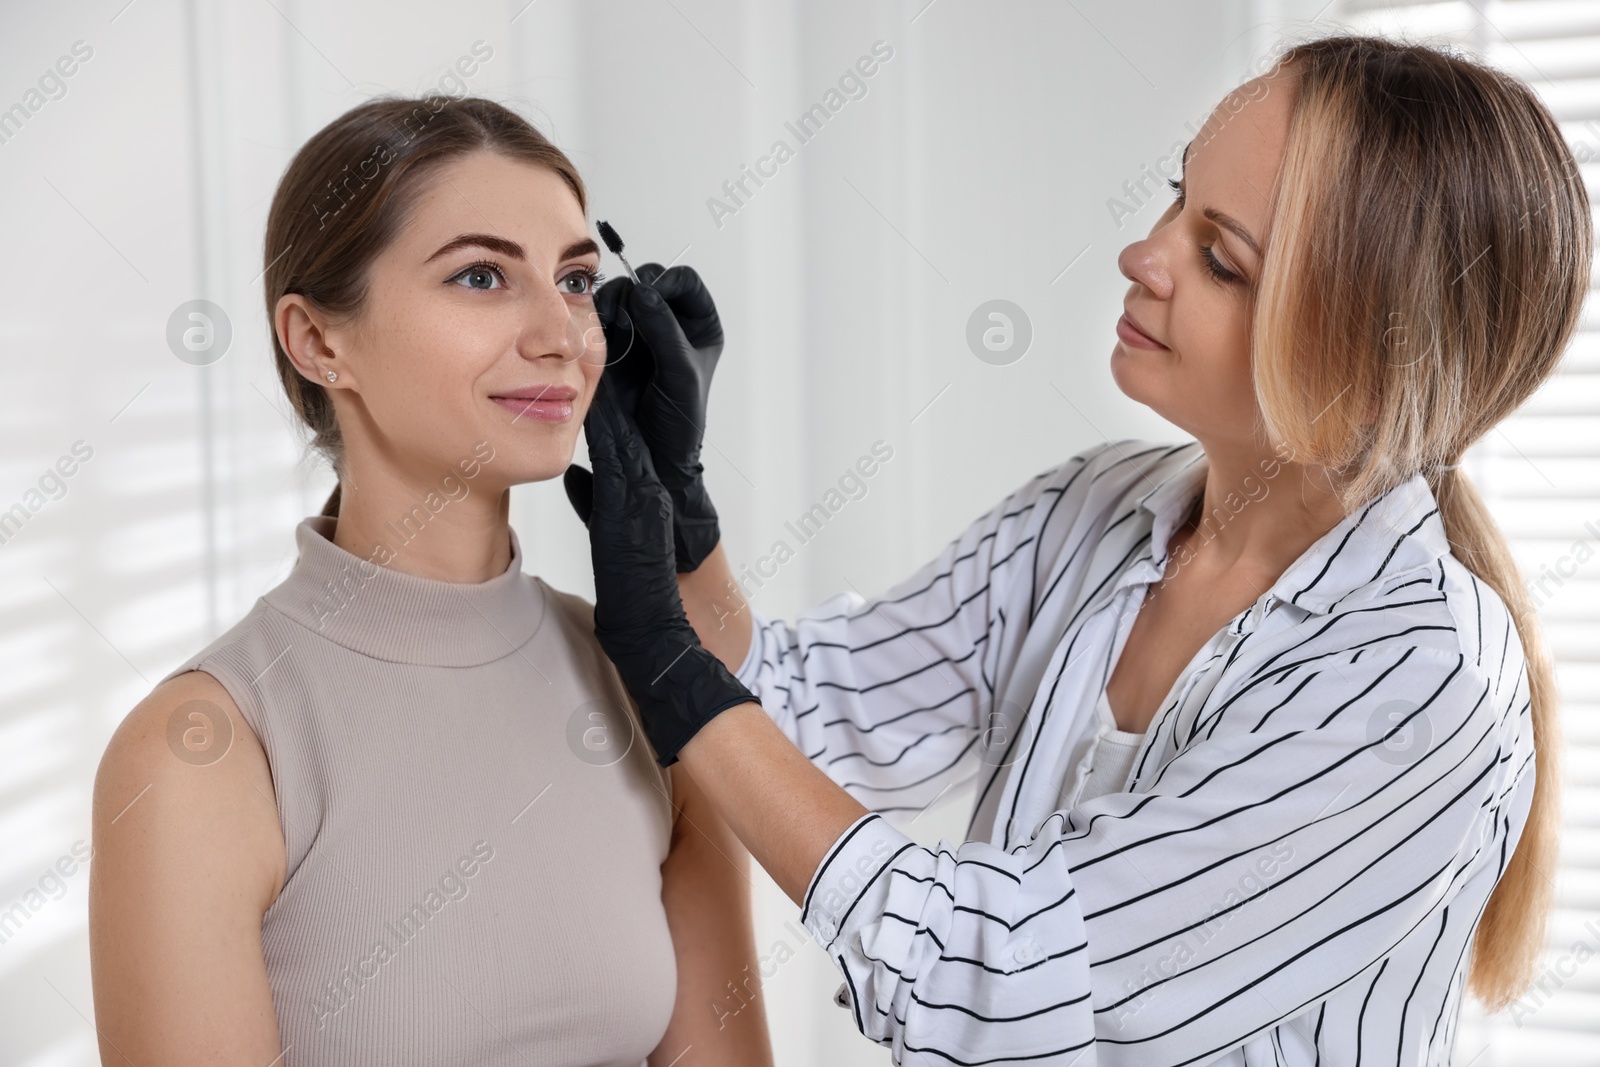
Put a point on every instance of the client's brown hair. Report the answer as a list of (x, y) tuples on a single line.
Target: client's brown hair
[(345, 195)]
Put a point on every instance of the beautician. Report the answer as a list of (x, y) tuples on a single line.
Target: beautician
[(1255, 719)]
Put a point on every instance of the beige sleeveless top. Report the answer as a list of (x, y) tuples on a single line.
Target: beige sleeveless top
[(475, 824)]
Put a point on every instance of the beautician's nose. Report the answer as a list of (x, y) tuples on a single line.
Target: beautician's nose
[(1145, 262)]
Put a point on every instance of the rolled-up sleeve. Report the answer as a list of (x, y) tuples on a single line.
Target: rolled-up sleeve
[(1282, 851)]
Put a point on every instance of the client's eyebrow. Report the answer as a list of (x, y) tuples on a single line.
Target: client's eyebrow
[(509, 249), (1222, 218), (506, 248)]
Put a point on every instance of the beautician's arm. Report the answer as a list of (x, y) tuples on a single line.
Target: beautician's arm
[(786, 809), (717, 609), (705, 888), (770, 793), (187, 858)]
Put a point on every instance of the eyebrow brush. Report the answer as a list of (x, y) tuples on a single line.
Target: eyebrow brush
[(613, 241)]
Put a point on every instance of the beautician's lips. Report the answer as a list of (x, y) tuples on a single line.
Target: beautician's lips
[(543, 403), (1129, 331)]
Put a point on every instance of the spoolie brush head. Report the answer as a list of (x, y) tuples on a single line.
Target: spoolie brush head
[(614, 242)]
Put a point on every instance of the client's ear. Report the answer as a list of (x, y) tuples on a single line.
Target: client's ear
[(303, 332), (579, 484)]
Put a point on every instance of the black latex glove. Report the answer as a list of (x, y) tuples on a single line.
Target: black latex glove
[(638, 615), (665, 337)]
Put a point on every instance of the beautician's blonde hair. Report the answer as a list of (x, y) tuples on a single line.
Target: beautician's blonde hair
[(1428, 258)]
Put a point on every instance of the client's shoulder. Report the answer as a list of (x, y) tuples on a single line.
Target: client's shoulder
[(184, 766)]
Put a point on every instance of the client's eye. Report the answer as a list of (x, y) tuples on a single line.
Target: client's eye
[(481, 276), (588, 278)]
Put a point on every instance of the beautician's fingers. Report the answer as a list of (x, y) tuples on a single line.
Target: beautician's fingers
[(600, 428), (653, 317), (605, 481), (608, 300), (616, 448), (693, 314), (623, 343), (579, 484), (630, 527), (649, 272), (674, 418), (629, 377), (677, 322), (628, 353), (686, 293), (615, 514)]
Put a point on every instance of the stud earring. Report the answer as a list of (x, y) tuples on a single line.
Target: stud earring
[(333, 376)]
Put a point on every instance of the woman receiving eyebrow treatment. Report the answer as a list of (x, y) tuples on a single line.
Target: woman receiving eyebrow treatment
[(1263, 731), (381, 820)]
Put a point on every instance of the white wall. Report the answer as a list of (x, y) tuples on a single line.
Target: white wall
[(977, 166)]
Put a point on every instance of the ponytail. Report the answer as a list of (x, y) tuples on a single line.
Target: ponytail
[(1511, 933), (1378, 354)]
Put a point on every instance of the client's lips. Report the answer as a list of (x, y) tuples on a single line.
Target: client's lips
[(544, 403)]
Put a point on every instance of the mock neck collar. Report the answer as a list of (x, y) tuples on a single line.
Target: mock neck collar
[(402, 618)]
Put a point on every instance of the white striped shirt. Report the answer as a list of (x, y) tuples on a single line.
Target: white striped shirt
[(1312, 826)]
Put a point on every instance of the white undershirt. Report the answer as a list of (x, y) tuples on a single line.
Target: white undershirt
[(1113, 756)]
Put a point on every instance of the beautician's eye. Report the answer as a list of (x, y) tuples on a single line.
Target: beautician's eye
[(481, 276), (1212, 265), (591, 279), (1218, 271)]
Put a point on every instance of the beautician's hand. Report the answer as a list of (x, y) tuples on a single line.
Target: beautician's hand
[(666, 337), (638, 616)]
